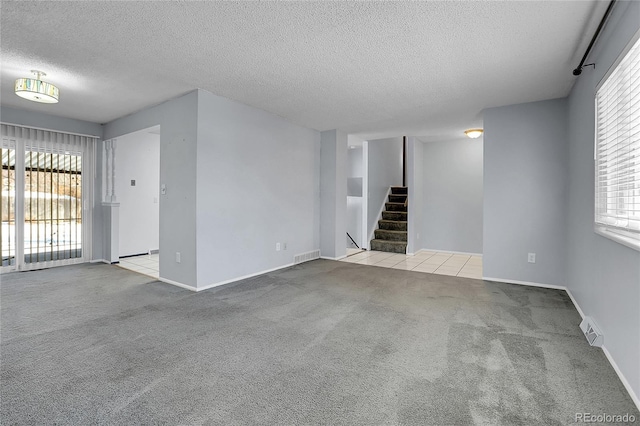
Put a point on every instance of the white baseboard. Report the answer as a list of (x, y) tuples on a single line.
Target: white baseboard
[(244, 277), (449, 251), (527, 283), (623, 379), (333, 258), (188, 287), (575, 303), (621, 376), (177, 284)]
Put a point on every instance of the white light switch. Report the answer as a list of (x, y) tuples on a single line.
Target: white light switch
[(163, 189)]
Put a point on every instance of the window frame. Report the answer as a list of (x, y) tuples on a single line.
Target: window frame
[(621, 235)]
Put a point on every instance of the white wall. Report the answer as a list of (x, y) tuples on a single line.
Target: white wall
[(415, 182), (603, 276), (138, 158), (525, 192), (452, 204), (384, 170), (257, 185)]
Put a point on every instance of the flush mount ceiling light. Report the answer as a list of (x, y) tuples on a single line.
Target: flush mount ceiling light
[(473, 133), (34, 89)]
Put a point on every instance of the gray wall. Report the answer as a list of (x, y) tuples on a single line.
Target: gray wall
[(333, 194), (178, 141), (525, 192), (257, 185), (354, 195), (49, 122), (138, 158), (415, 182), (354, 162), (385, 170), (603, 276), (452, 207)]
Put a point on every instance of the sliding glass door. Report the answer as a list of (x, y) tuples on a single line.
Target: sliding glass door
[(45, 199), (53, 206)]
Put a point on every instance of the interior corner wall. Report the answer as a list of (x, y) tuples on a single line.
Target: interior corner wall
[(525, 192), (178, 141), (384, 170), (415, 182), (603, 276), (453, 195), (257, 185), (333, 194)]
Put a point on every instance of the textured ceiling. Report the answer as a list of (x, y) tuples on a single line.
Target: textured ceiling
[(374, 69)]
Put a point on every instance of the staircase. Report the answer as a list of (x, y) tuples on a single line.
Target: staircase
[(391, 235)]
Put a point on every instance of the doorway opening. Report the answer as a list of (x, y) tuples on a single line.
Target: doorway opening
[(137, 183)]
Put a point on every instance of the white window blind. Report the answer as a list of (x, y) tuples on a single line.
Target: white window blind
[(46, 199), (617, 152)]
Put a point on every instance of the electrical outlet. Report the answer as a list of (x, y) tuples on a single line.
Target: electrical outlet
[(531, 258), (178, 257), (277, 246)]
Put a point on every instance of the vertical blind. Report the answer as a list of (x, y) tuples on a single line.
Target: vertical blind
[(617, 177), (44, 212), (7, 205)]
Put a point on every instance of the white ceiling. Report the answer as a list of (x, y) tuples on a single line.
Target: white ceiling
[(373, 69)]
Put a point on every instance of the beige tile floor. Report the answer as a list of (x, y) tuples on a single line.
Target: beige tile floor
[(461, 265), (147, 264)]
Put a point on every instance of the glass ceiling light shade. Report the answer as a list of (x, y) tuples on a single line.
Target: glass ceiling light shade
[(473, 133), (34, 89)]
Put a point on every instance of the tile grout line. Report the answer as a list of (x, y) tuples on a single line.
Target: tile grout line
[(385, 262)]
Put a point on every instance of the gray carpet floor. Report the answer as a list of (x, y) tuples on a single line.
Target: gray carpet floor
[(319, 343)]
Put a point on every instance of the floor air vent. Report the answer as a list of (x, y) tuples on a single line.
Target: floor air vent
[(591, 332), (305, 257)]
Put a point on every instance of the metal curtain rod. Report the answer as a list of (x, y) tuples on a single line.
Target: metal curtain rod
[(578, 70)]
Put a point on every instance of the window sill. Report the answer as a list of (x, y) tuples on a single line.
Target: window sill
[(630, 242)]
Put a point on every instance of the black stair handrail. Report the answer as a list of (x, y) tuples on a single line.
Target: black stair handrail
[(356, 244)]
